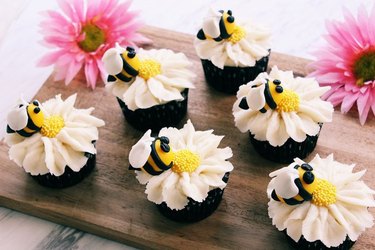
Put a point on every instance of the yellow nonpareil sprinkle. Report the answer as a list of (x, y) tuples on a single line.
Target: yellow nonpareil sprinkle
[(237, 35), (185, 161), (324, 194), (149, 68), (52, 126)]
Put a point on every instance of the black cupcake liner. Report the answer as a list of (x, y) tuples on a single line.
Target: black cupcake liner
[(304, 244), (156, 117), (229, 79), (288, 151), (69, 177), (195, 211)]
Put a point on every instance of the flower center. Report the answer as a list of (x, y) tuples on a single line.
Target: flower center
[(364, 68), (324, 194), (289, 101), (185, 161), (149, 68), (94, 37), (52, 126), (237, 35)]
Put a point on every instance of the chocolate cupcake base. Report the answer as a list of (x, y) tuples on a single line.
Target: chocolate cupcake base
[(156, 117), (229, 79), (195, 211), (304, 244), (288, 151), (69, 177)]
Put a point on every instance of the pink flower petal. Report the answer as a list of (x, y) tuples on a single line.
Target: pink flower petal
[(49, 58), (72, 71), (348, 101), (91, 73), (363, 104)]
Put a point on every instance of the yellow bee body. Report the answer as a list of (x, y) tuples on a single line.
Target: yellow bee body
[(26, 119), (153, 156), (224, 27), (305, 183), (121, 66)]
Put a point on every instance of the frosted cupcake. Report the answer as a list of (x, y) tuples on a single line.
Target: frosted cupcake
[(184, 171), (320, 205), (283, 114), (151, 86), (232, 52), (53, 142)]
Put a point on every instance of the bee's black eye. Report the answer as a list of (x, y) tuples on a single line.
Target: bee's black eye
[(36, 110), (306, 167), (20, 106), (230, 19), (308, 177), (279, 89), (36, 103), (277, 82), (131, 54), (229, 12), (164, 139)]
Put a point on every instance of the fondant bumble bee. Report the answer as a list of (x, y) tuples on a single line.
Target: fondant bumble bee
[(263, 95), (218, 25), (121, 64), (152, 155), (293, 185), (25, 119)]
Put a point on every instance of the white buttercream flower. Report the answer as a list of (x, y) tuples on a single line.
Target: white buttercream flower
[(162, 77), (66, 135), (328, 219), (295, 120), (198, 167)]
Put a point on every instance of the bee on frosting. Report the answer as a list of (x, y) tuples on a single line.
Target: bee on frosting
[(152, 155), (218, 25), (267, 94), (294, 185), (25, 119), (121, 64)]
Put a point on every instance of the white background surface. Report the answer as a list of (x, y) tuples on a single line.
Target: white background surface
[(296, 25)]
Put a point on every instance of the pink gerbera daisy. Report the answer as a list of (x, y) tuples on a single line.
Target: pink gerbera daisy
[(347, 62), (83, 32)]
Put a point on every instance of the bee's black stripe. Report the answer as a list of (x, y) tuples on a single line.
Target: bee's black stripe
[(223, 31), (149, 169), (24, 133), (263, 110), (9, 130), (129, 69), (201, 35), (157, 159), (111, 78), (302, 192), (274, 196), (30, 123), (292, 201), (269, 100), (123, 77)]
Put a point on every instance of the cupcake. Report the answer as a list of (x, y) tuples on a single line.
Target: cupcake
[(151, 86), (184, 171), (321, 204), (232, 53), (283, 114), (53, 141)]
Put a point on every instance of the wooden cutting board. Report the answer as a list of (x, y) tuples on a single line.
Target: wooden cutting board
[(111, 203)]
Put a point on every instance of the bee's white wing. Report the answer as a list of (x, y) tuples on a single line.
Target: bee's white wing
[(17, 118), (284, 182), (255, 98), (211, 24), (141, 151), (112, 61)]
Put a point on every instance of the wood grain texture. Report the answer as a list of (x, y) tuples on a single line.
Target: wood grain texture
[(111, 203)]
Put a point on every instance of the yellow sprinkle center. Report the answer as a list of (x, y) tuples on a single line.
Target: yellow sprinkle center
[(149, 68), (185, 161), (94, 37), (237, 35), (289, 102), (52, 126), (324, 194)]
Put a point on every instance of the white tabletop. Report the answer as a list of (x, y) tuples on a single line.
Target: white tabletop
[(297, 27)]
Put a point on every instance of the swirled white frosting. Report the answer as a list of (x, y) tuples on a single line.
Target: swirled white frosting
[(244, 53), (175, 188), (40, 154), (348, 216), (175, 76), (277, 127)]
